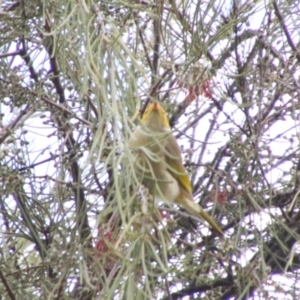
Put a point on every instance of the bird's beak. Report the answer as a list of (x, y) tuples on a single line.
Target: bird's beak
[(155, 105)]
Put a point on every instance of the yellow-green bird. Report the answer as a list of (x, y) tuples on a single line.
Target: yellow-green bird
[(159, 163)]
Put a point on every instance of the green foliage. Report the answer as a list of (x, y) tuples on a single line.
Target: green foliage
[(75, 221)]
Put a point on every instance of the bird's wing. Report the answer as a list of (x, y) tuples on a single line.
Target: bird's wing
[(174, 163)]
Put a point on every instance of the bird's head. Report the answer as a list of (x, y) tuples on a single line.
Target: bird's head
[(155, 118)]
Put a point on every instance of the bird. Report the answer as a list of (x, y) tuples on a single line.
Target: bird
[(159, 164)]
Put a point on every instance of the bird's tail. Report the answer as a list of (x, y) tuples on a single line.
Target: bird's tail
[(196, 210)]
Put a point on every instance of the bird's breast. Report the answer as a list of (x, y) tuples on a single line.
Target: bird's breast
[(150, 163), (157, 178)]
